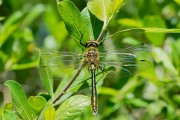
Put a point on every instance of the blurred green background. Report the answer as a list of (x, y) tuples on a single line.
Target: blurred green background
[(151, 95)]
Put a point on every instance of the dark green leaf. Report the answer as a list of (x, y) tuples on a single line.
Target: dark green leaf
[(19, 100), (93, 24), (72, 107), (73, 21)]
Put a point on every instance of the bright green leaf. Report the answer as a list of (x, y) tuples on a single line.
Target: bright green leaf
[(72, 107), (107, 91), (73, 21), (9, 115), (37, 102), (19, 100), (177, 1), (104, 9), (130, 22), (49, 113), (8, 106), (1, 111)]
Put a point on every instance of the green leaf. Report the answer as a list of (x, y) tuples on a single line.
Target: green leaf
[(9, 115), (177, 1), (104, 9), (137, 102), (17, 19), (35, 12), (155, 21), (1, 2), (73, 21), (93, 24), (2, 18), (148, 30), (72, 107), (37, 102), (19, 100), (107, 91), (8, 106), (1, 111), (160, 55), (127, 22), (24, 65), (46, 77), (176, 98), (49, 113)]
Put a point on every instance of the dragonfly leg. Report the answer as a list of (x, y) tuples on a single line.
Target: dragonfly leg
[(81, 40)]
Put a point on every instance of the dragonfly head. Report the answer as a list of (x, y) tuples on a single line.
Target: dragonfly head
[(92, 43)]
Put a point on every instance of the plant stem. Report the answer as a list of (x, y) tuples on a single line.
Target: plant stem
[(70, 83)]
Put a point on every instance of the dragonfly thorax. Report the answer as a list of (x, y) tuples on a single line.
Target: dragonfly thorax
[(92, 58)]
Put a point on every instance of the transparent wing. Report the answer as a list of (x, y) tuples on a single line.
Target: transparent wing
[(128, 61), (60, 63), (62, 67)]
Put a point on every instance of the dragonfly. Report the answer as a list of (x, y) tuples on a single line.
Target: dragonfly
[(127, 62)]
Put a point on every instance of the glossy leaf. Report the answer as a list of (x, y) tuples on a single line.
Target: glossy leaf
[(72, 107), (49, 113), (19, 100), (37, 102), (73, 21)]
